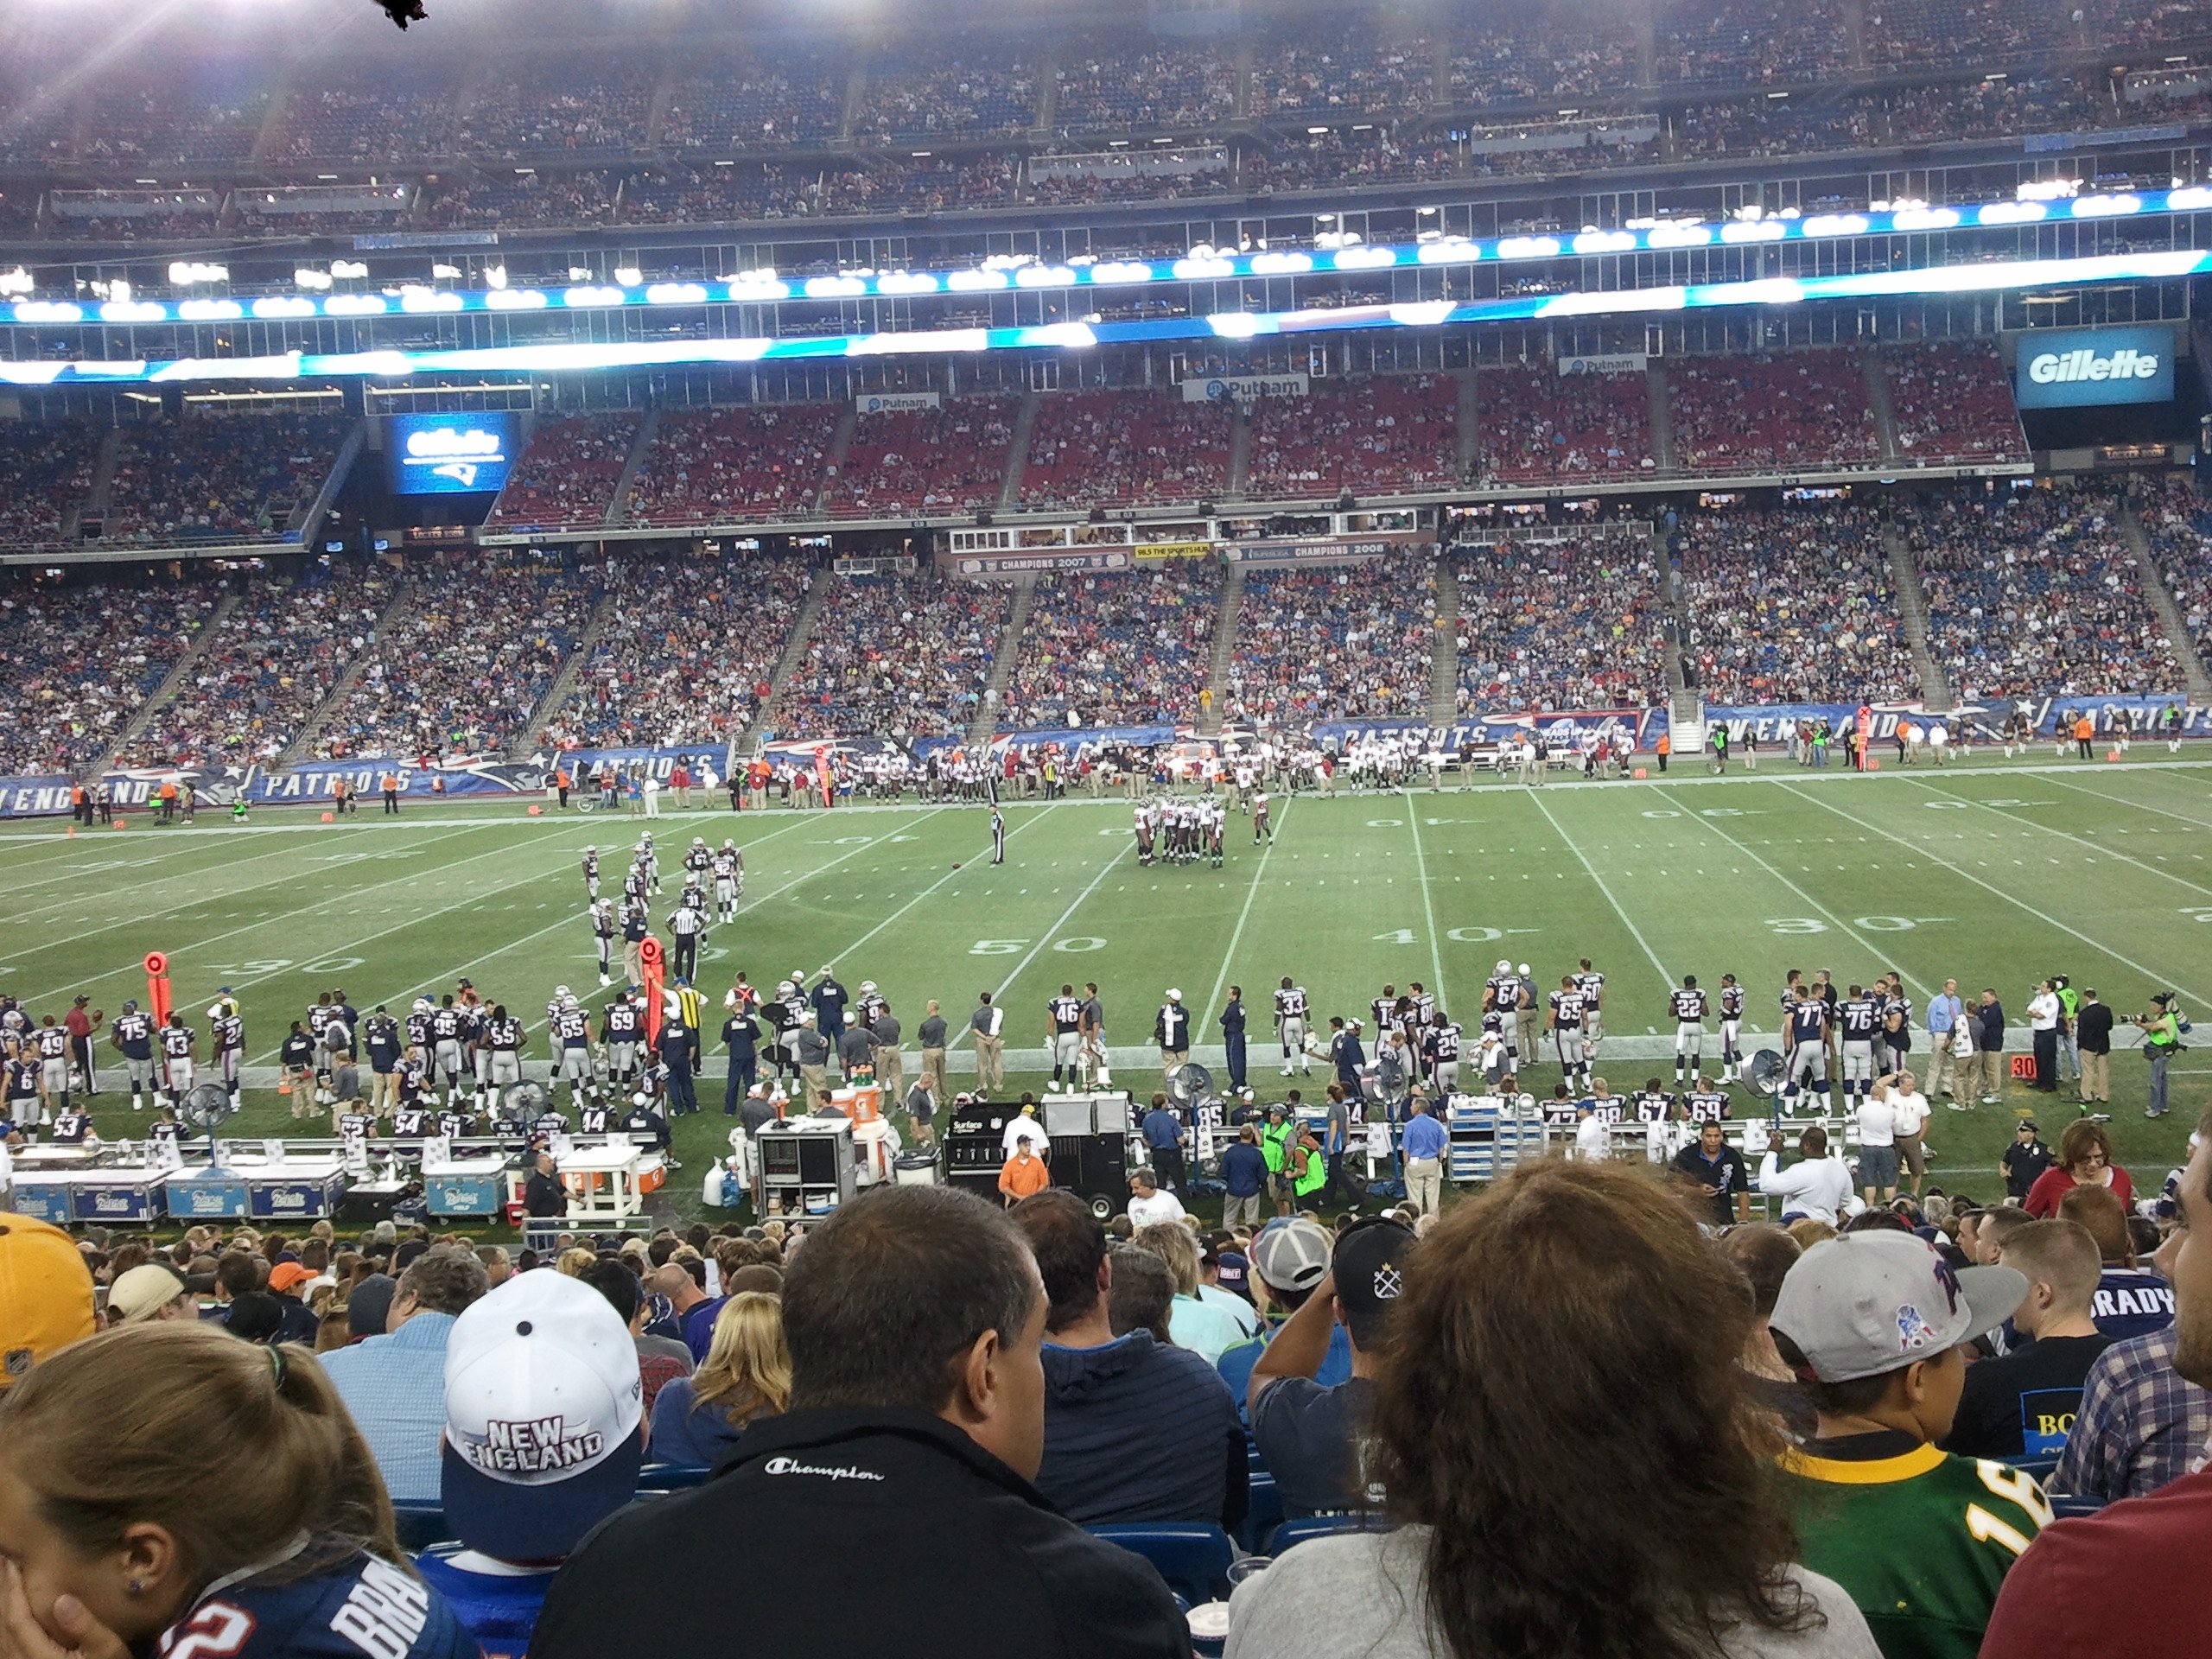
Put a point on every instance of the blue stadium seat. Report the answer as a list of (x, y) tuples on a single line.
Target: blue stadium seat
[(671, 1477), (1320, 1526), (2041, 1468), (1191, 1556), (2064, 1506), (1262, 1513), (421, 1525)]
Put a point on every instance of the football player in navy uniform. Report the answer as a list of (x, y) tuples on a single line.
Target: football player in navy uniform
[(1687, 1005), (1064, 1033), (177, 1041), (1564, 1021), (226, 1029), (1859, 1018), (132, 1036), (1806, 1034), (298, 1560)]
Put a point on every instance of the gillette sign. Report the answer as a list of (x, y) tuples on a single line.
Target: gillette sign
[(465, 454), (2064, 368)]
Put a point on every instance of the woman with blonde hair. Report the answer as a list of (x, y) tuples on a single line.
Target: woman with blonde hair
[(170, 1484), (746, 1374)]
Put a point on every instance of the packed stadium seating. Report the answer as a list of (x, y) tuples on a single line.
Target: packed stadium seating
[(1571, 624), (81, 659), (462, 666), (1738, 42), (46, 472), (1350, 69), (946, 89), (1121, 448), (527, 108), (947, 459), (1114, 650), (2180, 526), (905, 658), (1540, 53), (265, 666), (1791, 606), (1540, 427), (686, 652), (1916, 32), (2036, 592), (1123, 86), (1346, 642), (709, 464), (1369, 437), (1953, 403), (1813, 411), (532, 198), (794, 93), (1717, 132), (567, 474), (208, 478)]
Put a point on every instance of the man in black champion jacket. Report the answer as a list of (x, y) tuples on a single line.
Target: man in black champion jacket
[(897, 1487)]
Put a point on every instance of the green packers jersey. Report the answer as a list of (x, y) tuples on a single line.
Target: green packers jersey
[(1920, 1541)]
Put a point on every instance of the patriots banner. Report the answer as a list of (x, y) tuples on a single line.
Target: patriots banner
[(1638, 726), (1978, 720)]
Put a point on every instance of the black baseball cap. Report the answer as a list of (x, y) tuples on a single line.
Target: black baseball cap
[(1369, 1266)]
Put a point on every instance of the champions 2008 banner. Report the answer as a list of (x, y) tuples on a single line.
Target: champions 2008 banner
[(1978, 720)]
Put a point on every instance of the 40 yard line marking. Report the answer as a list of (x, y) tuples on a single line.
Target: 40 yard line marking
[(2107, 852), (2048, 921), (1635, 932)]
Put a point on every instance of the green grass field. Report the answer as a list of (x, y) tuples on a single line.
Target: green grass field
[(1991, 873)]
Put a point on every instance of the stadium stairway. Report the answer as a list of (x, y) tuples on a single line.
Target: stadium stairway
[(1662, 416), (1444, 659), (1647, 46), (985, 726), (304, 524), (764, 718), (1017, 455), (1854, 33), (1878, 400), (101, 496), (1470, 433), (841, 445), (618, 505), (2196, 682), (1224, 646), (1240, 454), (303, 744), (1912, 605), (134, 727), (525, 743)]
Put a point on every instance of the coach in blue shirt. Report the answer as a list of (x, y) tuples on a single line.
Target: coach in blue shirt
[(1944, 1012), (1424, 1137), (1163, 1135), (395, 1384), (1244, 1178)]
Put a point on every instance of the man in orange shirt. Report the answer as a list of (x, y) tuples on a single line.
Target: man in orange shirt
[(389, 784), (1665, 746), (1022, 1174), (2085, 730)]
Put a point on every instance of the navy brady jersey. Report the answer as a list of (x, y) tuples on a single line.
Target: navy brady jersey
[(359, 1607)]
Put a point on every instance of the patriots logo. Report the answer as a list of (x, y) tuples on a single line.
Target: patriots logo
[(1914, 1332), (1946, 1277)]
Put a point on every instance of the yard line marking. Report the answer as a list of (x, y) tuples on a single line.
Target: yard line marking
[(1236, 937), (181, 847), (2048, 921), (2142, 806), (1818, 908), (1636, 933), (248, 927), (1428, 903), (1106, 869), (2014, 817), (1027, 822), (412, 991)]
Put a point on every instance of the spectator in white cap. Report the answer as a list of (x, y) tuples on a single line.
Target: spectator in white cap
[(147, 1294), (1171, 1029), (544, 1435), (1289, 1258), (1875, 1323)]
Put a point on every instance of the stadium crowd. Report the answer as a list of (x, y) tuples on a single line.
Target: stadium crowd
[(686, 653), (1118, 448), (901, 657), (1814, 410), (1576, 623), (459, 667), (1347, 644), (197, 480), (83, 657), (1370, 436), (567, 472), (1792, 606), (2036, 592), (946, 459), (1539, 427), (2181, 546), (709, 464), (266, 666), (1953, 403), (46, 473), (1116, 650)]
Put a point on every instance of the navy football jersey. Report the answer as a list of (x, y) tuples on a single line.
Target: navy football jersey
[(359, 1607)]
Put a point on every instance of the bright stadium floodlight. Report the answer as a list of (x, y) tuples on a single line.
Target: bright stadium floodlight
[(189, 273), (444, 273), (349, 269), (628, 276), (581, 273), (495, 277), (314, 281), (16, 284)]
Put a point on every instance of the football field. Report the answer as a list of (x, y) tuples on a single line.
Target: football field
[(1991, 873)]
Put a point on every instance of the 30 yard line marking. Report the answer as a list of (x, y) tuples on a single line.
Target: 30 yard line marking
[(1665, 978), (2048, 921), (2095, 847), (1428, 903), (1237, 936), (1818, 907)]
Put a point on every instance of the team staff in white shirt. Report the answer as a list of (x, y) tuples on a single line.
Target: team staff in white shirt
[(1878, 1148), (1816, 1186), (1908, 1121)]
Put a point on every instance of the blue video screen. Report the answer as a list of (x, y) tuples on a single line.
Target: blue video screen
[(451, 454)]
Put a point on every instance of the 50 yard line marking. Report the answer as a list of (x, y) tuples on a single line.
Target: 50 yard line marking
[(2048, 921), (1665, 978), (1236, 937), (1027, 822), (1105, 870)]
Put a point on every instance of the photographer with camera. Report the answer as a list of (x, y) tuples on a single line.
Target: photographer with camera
[(2161, 1028)]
